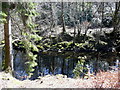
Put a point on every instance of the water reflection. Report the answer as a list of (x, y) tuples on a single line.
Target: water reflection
[(54, 64), (19, 65), (48, 64)]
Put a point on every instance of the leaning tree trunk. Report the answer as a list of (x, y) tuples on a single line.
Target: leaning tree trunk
[(8, 38)]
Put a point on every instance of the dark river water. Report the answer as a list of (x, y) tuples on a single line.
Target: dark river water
[(54, 64)]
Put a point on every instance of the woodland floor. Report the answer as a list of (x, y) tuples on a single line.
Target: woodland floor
[(102, 80)]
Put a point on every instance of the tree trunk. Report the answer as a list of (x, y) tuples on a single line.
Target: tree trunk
[(116, 19), (0, 59), (8, 40), (62, 17), (52, 20)]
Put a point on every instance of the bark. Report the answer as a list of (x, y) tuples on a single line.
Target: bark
[(8, 40), (116, 25), (102, 16), (1, 59), (116, 19), (52, 20), (62, 17), (75, 19)]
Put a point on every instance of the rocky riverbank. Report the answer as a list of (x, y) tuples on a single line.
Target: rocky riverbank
[(101, 80)]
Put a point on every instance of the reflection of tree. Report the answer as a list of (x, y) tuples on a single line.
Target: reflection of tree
[(63, 64), (52, 64)]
